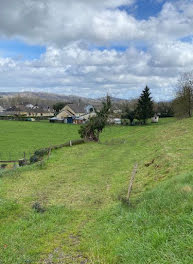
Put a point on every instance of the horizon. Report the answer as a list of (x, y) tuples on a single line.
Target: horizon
[(89, 98)]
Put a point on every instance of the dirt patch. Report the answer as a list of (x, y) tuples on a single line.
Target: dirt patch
[(187, 189), (59, 257)]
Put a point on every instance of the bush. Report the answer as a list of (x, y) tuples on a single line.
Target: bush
[(3, 166), (95, 125), (125, 122), (38, 154), (34, 159), (41, 152)]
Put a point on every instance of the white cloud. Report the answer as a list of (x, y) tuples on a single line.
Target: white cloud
[(62, 21), (173, 54), (76, 70), (69, 28)]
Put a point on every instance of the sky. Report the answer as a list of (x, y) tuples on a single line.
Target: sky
[(90, 48)]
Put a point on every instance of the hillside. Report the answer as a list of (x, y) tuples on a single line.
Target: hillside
[(57, 97), (82, 190)]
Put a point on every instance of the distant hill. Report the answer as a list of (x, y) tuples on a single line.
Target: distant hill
[(57, 97)]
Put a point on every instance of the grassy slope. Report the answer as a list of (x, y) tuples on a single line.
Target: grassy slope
[(81, 188), (17, 137)]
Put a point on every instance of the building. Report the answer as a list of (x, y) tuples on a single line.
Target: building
[(75, 113), (82, 119), (21, 110), (75, 110), (30, 106)]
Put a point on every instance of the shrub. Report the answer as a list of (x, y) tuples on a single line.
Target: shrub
[(41, 152), (34, 159), (95, 125), (3, 166), (125, 122)]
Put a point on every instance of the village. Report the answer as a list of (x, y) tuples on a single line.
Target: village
[(71, 113)]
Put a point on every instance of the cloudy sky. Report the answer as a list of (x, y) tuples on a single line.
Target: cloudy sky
[(91, 47)]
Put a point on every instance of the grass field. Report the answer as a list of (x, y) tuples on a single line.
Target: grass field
[(19, 137), (82, 190)]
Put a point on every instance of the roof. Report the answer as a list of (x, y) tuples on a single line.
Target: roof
[(12, 108), (78, 108), (86, 116), (21, 108)]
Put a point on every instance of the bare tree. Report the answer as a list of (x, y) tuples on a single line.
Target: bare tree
[(183, 103)]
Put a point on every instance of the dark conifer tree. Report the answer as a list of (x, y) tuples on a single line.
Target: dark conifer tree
[(145, 106)]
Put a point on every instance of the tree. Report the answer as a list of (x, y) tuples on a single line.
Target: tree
[(144, 106), (183, 103), (164, 109), (58, 106), (92, 129), (128, 114)]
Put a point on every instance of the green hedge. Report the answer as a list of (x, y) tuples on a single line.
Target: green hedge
[(40, 153)]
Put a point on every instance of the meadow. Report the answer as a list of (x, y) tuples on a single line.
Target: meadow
[(82, 191), (19, 137)]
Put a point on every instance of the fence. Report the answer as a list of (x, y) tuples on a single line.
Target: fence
[(25, 118), (16, 156)]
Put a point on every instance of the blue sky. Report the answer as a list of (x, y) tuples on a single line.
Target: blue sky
[(20, 50), (143, 9), (88, 48)]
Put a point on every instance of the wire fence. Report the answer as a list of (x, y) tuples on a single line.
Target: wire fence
[(15, 156), (26, 155)]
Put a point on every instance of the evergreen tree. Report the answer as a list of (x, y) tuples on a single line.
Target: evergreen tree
[(145, 106)]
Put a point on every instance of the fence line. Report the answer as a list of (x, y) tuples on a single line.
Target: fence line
[(16, 157)]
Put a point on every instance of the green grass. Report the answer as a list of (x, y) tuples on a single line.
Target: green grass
[(19, 137), (83, 189)]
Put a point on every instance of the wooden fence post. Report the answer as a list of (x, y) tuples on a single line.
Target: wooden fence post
[(131, 181), (49, 153)]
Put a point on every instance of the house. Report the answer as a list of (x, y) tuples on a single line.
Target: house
[(16, 111), (40, 111), (30, 106), (21, 110), (76, 112), (82, 119), (72, 110)]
